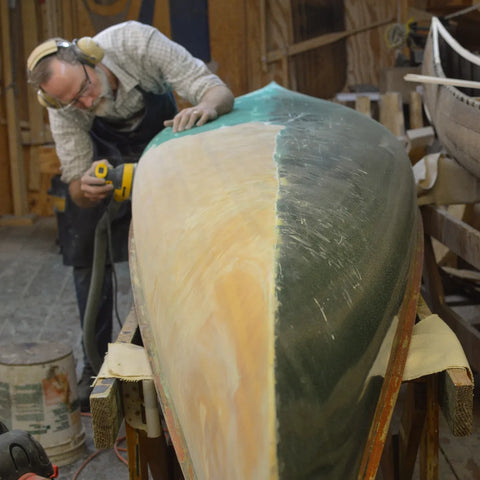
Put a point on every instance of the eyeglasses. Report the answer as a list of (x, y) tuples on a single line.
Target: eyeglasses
[(83, 90)]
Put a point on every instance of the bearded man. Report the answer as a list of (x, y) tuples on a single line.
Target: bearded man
[(107, 97)]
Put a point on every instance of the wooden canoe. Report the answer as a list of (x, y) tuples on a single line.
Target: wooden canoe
[(453, 111), (276, 257)]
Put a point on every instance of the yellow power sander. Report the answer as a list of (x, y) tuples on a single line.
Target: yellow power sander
[(121, 177)]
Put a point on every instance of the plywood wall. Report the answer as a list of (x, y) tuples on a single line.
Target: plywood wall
[(368, 53), (260, 35), (229, 58)]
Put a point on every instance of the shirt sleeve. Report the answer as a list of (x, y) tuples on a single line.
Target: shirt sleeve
[(72, 142), (185, 74), (155, 61)]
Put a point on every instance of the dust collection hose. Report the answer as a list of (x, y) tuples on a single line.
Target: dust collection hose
[(96, 284)]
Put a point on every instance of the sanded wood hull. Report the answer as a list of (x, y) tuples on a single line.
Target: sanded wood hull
[(454, 112), (276, 259)]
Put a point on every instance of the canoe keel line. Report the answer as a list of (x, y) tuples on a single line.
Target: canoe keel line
[(275, 258)]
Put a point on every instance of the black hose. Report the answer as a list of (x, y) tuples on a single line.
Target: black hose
[(96, 287)]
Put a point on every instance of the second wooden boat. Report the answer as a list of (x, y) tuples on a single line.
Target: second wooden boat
[(453, 111), (276, 258)]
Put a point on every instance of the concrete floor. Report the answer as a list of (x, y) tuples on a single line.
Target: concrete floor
[(38, 304)]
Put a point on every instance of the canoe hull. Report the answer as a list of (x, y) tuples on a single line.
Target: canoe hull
[(271, 256), (454, 112)]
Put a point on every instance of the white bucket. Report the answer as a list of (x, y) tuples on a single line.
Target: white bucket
[(38, 394)]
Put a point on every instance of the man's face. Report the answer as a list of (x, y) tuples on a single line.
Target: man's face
[(73, 85)]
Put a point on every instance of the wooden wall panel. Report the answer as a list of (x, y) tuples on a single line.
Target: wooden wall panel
[(35, 112), (320, 72), (253, 36), (6, 205), (445, 6), (278, 24), (31, 37), (266, 29), (69, 19), (53, 18), (275, 28), (77, 18), (367, 51), (279, 34), (84, 23), (161, 17), (100, 16), (228, 43), (15, 154)]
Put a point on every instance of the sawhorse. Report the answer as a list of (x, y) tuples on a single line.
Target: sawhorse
[(112, 401), (415, 435)]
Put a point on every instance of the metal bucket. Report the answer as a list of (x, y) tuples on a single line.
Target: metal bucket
[(38, 394)]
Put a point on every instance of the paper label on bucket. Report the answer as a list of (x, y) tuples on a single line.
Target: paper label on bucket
[(27, 400), (5, 405), (45, 408)]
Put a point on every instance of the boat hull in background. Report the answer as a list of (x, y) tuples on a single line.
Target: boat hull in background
[(454, 112)]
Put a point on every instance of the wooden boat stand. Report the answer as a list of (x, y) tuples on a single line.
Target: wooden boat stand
[(111, 402), (415, 433), (464, 241)]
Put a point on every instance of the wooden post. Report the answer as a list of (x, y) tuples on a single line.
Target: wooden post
[(430, 443), (137, 463), (391, 113), (362, 105), (17, 168), (30, 15), (412, 424), (146, 454), (415, 114)]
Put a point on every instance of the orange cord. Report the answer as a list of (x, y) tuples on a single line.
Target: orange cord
[(116, 448), (86, 462)]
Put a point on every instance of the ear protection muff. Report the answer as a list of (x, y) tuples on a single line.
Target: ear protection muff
[(87, 50)]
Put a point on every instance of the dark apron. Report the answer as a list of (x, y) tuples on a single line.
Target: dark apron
[(76, 225)]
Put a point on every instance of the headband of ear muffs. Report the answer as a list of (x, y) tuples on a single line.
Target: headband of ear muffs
[(86, 49)]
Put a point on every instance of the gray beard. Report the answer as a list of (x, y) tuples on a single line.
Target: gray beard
[(103, 107), (105, 103)]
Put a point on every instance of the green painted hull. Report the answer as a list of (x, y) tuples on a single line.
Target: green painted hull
[(346, 250)]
